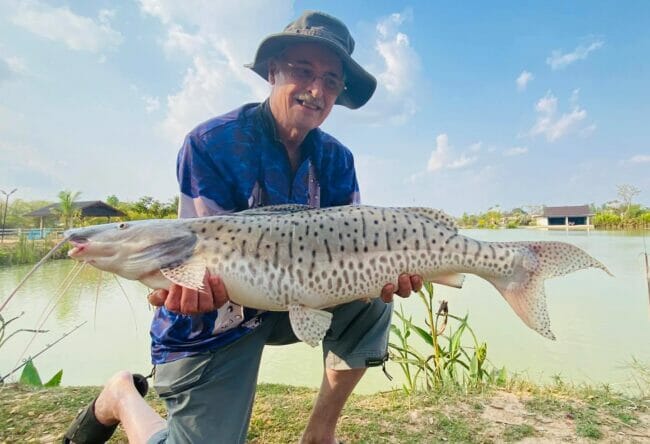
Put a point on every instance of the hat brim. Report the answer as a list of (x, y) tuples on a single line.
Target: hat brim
[(359, 83)]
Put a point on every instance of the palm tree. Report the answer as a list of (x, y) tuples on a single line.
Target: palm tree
[(67, 211)]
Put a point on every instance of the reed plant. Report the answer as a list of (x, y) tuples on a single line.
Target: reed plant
[(26, 251), (448, 351), (29, 374)]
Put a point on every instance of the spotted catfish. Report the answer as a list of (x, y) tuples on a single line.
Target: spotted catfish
[(304, 260)]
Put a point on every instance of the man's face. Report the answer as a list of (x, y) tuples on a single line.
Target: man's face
[(306, 80)]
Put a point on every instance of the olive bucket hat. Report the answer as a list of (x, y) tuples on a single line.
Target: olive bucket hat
[(321, 28)]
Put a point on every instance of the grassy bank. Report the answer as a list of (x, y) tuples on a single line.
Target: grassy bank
[(558, 413), (22, 251)]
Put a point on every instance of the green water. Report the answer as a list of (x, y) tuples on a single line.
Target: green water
[(601, 322)]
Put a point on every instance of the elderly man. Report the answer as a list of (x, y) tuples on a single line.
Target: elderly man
[(206, 349)]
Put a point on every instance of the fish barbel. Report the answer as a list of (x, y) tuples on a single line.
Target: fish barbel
[(304, 260)]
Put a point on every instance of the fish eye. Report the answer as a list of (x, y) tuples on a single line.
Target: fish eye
[(122, 226)]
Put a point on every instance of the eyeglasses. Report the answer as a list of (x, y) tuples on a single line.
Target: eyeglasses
[(304, 75)]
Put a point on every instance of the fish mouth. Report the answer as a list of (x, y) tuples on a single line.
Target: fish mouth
[(78, 247)]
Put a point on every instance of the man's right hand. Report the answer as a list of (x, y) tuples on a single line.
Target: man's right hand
[(187, 301)]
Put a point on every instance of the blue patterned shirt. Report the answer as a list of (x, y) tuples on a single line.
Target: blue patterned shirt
[(232, 163)]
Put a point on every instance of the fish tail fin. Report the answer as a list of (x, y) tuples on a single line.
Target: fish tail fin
[(535, 262)]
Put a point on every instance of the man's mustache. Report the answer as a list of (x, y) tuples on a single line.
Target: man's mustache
[(310, 100)]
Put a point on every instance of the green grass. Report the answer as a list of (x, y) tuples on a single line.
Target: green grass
[(549, 414), (517, 432)]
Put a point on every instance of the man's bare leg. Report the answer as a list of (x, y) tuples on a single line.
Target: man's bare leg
[(119, 401), (335, 390)]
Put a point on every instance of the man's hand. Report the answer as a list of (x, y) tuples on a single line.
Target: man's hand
[(406, 284), (187, 301)]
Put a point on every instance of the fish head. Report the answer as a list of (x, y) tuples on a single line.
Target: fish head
[(135, 249)]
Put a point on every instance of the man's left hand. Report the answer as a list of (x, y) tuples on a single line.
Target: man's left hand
[(406, 284)]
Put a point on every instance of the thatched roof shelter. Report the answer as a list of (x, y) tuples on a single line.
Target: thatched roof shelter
[(89, 208)]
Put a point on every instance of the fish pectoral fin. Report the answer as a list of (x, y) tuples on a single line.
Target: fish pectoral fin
[(188, 274), (452, 279), (309, 324)]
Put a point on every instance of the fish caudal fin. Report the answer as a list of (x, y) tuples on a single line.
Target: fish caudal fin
[(535, 262), (309, 324)]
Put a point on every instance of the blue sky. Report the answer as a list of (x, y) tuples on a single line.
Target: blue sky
[(479, 103)]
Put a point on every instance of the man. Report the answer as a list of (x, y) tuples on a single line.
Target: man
[(206, 349)]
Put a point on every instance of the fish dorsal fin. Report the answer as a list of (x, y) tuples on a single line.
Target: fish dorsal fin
[(189, 274), (434, 215), (309, 324), (274, 209)]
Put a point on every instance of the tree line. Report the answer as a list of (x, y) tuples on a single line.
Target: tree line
[(65, 214), (622, 213)]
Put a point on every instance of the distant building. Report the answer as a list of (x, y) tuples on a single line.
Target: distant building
[(576, 216), (89, 208)]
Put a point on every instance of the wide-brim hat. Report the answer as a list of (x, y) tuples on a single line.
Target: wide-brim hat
[(318, 27)]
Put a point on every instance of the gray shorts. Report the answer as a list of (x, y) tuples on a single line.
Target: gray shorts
[(209, 397)]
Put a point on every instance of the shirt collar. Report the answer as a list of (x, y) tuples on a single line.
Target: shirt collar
[(268, 123)]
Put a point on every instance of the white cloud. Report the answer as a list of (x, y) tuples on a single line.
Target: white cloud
[(395, 97), (552, 126), (559, 60), (12, 68), (638, 158), (223, 37), (440, 154), (151, 104), (400, 60), (60, 24), (397, 67), (524, 78), (547, 104), (442, 157), (105, 16), (180, 41), (515, 151), (16, 65), (461, 162), (588, 130), (476, 147)]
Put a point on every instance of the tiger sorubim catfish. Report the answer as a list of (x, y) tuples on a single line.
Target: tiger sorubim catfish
[(305, 260)]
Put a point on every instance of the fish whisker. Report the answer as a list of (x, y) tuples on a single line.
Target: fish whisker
[(36, 267), (99, 283), (76, 270), (128, 301), (57, 292)]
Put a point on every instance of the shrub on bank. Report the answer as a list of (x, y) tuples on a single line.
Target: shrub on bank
[(27, 251)]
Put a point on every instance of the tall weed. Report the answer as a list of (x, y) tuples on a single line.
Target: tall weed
[(448, 352)]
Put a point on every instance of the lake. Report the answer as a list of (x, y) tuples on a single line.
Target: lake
[(601, 322)]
